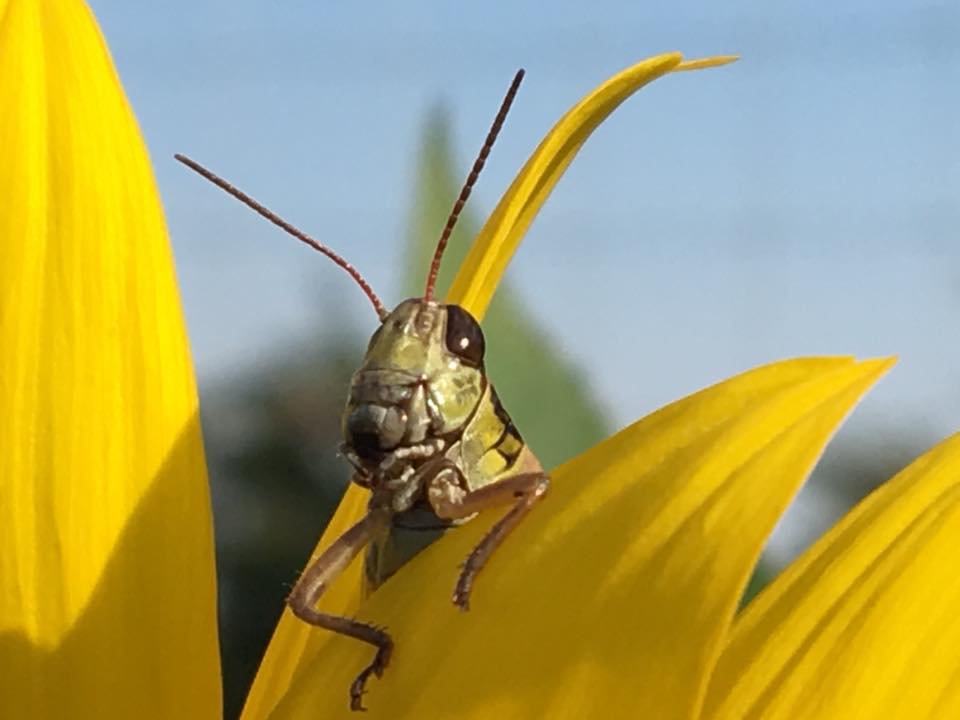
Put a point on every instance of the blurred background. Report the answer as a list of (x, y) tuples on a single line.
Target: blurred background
[(802, 201)]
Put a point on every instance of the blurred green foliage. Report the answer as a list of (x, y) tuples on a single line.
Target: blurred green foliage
[(271, 437)]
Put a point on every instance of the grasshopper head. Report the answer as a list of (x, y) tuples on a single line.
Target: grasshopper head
[(423, 373), (422, 377)]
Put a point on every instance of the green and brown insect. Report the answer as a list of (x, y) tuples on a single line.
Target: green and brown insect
[(424, 431)]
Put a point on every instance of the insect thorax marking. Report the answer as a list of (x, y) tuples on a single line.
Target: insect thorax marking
[(510, 443)]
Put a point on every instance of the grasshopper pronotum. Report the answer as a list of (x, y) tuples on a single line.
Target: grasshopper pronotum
[(425, 433)]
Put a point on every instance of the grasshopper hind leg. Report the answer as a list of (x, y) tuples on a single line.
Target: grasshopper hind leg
[(361, 631), (317, 578)]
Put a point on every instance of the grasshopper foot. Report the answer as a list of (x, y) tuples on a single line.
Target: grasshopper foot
[(358, 687)]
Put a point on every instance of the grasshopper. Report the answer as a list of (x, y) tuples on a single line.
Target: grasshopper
[(424, 432)]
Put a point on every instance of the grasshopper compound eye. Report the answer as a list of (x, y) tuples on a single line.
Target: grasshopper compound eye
[(464, 338)]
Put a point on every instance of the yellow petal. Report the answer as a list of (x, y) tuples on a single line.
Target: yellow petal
[(613, 597), (477, 279), (864, 624), (290, 647), (107, 591)]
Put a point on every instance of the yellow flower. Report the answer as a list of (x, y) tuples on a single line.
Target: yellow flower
[(617, 598)]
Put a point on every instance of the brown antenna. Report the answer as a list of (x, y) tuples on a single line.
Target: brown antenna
[(471, 180), (279, 221)]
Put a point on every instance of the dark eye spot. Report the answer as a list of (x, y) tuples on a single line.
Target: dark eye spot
[(464, 337)]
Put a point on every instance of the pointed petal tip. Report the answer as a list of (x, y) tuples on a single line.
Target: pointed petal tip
[(707, 62), (880, 365)]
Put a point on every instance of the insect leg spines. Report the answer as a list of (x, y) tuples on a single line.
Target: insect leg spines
[(319, 575)]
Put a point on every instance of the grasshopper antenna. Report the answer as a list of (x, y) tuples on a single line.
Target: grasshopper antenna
[(471, 180), (283, 224)]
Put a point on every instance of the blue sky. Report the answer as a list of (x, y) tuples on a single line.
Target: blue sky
[(803, 201)]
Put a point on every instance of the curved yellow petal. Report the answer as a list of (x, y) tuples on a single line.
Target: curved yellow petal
[(613, 597), (473, 287), (477, 279), (865, 623), (107, 590)]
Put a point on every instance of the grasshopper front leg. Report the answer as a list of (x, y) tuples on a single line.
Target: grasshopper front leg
[(451, 502), (318, 577)]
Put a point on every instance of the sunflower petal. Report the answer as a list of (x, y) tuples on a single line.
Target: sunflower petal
[(612, 599), (864, 624), (107, 590), (477, 279)]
